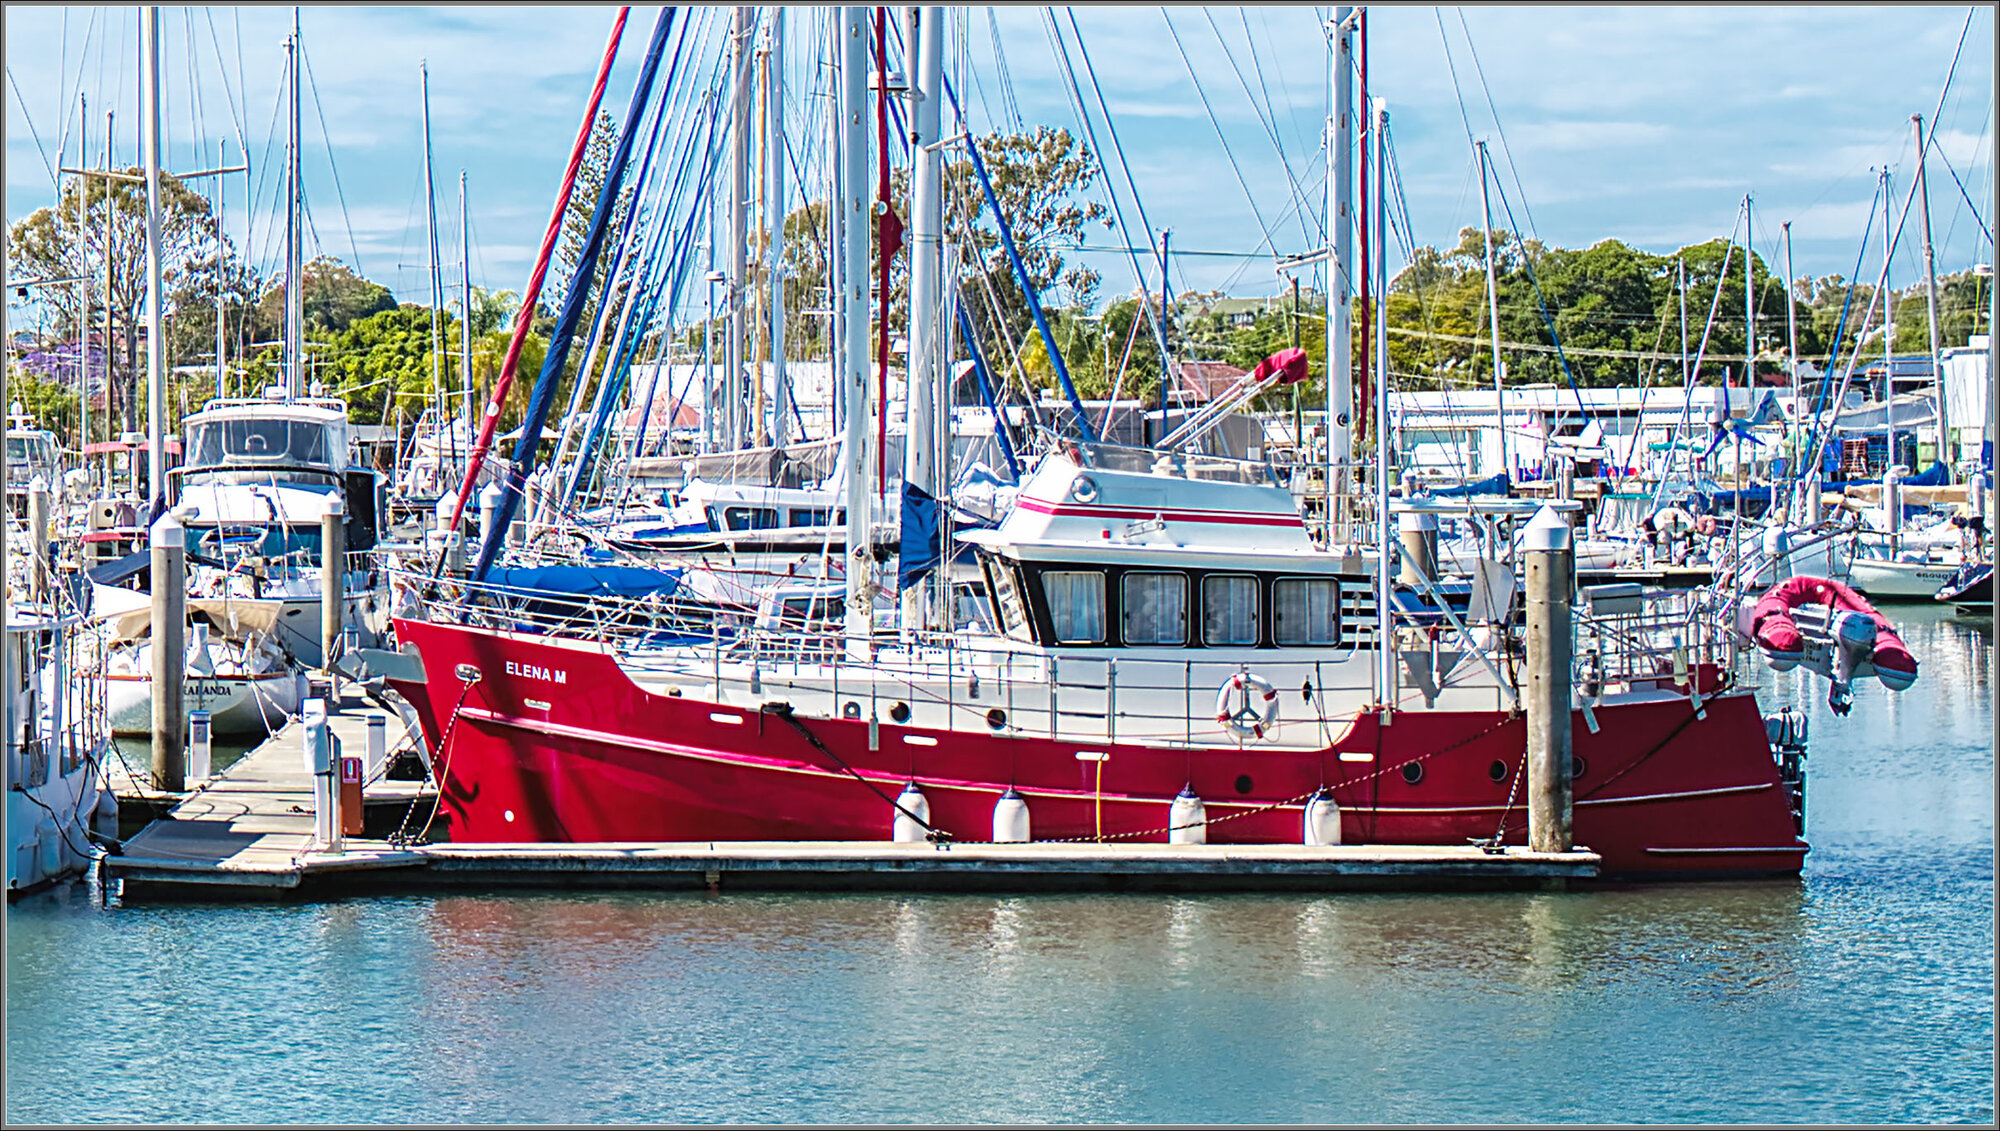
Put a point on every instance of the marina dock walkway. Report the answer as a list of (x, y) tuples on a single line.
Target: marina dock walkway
[(247, 833)]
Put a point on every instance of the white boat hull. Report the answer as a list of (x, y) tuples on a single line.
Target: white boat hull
[(238, 705)]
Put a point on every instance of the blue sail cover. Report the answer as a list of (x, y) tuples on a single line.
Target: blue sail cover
[(919, 551), (593, 580), (1492, 485)]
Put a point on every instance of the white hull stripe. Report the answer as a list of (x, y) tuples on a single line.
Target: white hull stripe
[(785, 766)]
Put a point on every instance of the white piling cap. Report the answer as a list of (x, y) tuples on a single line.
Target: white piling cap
[(1547, 531), (334, 507), (168, 532), (1416, 520), (38, 485)]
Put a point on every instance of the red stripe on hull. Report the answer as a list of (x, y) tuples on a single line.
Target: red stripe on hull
[(1226, 518), (608, 760)]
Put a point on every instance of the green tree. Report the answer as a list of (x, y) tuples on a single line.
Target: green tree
[(99, 218), (334, 299)]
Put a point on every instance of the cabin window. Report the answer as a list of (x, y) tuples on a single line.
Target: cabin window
[(815, 516), (1229, 609), (1307, 611), (1007, 595), (1076, 605), (749, 518), (1155, 607)]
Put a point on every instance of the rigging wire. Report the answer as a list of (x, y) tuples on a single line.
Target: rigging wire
[(40, 149), (1238, 169), (319, 109), (1270, 128), (1498, 129)]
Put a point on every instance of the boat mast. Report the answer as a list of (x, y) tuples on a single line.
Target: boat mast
[(156, 336), (1792, 353), (435, 279), (852, 318), (1385, 643), (733, 354), (1493, 313), (83, 271), (295, 310), (774, 183), (1931, 301), (1888, 297), (923, 42), (1340, 242), (464, 318), (221, 183)]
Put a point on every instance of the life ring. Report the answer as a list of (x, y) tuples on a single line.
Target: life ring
[(1246, 705), (1083, 489), (1673, 520)]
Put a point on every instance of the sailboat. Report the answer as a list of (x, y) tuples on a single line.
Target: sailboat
[(259, 475), (1165, 656)]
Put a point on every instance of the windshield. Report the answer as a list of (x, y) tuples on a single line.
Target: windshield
[(293, 442)]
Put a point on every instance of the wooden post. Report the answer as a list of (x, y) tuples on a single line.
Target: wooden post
[(1551, 576), (332, 584), (39, 588), (169, 630)]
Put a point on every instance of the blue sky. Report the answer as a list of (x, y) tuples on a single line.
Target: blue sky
[(1647, 124)]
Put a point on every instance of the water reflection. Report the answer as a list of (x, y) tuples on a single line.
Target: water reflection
[(1861, 993)]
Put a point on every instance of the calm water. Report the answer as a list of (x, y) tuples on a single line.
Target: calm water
[(1863, 993)]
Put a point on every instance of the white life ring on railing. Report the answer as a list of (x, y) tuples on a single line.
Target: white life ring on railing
[(1083, 489), (1246, 705)]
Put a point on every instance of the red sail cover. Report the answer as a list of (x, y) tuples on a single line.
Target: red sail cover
[(1771, 622), (1289, 364)]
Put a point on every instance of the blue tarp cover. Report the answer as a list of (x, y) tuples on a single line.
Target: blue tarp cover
[(919, 551), (592, 580), (1493, 485)]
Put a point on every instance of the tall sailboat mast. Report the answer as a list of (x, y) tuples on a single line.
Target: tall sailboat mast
[(434, 277), (1493, 313), (1931, 301), (1340, 240), (464, 314), (852, 319), (295, 311), (924, 46), (156, 335)]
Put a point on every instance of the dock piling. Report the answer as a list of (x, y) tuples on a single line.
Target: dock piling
[(1551, 578), (332, 581), (38, 538), (169, 667)]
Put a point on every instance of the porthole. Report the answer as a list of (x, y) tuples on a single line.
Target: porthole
[(1413, 772), (1497, 771), (899, 712), (1577, 766), (1243, 783), (851, 710), (996, 718)]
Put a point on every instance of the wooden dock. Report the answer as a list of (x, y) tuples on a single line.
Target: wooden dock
[(247, 833), (249, 828)]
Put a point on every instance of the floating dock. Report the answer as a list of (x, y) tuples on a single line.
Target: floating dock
[(247, 834)]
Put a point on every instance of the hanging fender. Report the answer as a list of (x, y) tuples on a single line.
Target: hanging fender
[(1246, 705)]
